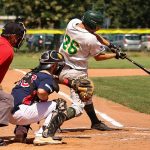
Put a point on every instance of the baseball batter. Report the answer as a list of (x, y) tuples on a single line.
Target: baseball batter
[(79, 44)]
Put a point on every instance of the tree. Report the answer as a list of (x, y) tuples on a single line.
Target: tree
[(55, 13), (46, 13), (128, 14)]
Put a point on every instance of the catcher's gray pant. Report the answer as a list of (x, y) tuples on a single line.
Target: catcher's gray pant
[(6, 105), (70, 73)]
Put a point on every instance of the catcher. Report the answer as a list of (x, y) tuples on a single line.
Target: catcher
[(79, 44), (31, 103)]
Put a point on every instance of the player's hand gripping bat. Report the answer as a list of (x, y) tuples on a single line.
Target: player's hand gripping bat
[(105, 42)]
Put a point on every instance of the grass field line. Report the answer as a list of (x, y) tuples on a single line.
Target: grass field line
[(103, 115)]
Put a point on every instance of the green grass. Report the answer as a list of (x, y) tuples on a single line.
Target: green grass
[(132, 92), (25, 60), (30, 60), (139, 57)]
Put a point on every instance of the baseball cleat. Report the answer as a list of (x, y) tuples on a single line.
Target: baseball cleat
[(21, 134), (39, 140), (2, 143), (20, 138), (101, 126)]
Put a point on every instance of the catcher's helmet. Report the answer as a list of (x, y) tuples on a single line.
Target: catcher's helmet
[(50, 58), (92, 19), (15, 28)]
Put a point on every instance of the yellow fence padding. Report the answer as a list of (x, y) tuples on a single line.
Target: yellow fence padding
[(45, 31), (124, 31), (102, 31)]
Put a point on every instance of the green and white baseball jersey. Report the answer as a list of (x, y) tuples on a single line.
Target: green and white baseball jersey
[(78, 45)]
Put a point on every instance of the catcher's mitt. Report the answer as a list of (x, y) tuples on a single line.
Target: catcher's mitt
[(84, 87)]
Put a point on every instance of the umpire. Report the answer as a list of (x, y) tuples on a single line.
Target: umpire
[(12, 36)]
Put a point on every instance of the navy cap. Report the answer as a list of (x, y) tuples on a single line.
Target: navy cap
[(14, 28)]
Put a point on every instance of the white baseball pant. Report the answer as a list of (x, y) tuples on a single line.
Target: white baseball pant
[(28, 114), (68, 73)]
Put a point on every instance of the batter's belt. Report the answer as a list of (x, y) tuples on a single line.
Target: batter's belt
[(69, 67)]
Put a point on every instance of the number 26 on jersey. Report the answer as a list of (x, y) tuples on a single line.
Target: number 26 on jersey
[(69, 45)]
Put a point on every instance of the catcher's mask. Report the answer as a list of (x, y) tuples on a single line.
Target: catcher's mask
[(53, 61), (92, 19), (15, 28)]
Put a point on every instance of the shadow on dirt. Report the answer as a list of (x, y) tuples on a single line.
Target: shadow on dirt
[(64, 130), (10, 140)]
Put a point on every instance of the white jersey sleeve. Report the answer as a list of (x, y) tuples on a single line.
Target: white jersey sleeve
[(78, 45)]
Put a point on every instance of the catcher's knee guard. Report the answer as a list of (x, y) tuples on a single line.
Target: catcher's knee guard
[(61, 105), (70, 113), (58, 117)]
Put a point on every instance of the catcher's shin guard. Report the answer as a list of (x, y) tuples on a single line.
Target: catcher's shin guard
[(58, 117), (55, 123)]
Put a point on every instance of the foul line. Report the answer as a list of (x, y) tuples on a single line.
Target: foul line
[(103, 115), (21, 71)]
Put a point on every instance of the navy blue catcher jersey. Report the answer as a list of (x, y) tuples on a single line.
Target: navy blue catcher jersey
[(25, 92)]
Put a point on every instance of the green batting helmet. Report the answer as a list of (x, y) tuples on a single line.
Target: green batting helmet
[(92, 19)]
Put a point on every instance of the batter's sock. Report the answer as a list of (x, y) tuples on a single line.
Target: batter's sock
[(91, 113)]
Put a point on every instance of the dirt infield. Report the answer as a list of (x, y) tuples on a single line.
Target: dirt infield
[(134, 127), (116, 72)]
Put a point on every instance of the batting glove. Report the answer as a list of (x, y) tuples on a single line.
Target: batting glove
[(120, 55), (114, 48)]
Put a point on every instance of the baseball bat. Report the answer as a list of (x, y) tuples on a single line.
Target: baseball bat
[(105, 42), (137, 64)]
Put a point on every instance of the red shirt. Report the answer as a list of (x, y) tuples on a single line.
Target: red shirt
[(6, 56)]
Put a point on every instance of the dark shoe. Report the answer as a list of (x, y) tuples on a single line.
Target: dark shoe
[(20, 134), (101, 126), (20, 138), (2, 143)]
